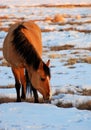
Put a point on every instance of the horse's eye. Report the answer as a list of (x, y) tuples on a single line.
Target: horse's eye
[(42, 79)]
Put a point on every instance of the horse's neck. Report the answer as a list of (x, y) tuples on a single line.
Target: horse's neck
[(30, 71), (29, 68)]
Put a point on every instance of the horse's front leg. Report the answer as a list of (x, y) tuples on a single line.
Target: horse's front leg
[(35, 94), (18, 86), (23, 94)]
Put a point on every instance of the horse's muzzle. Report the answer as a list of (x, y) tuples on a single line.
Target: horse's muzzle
[(47, 101)]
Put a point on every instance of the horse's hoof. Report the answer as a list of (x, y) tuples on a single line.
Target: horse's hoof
[(23, 97), (18, 100), (36, 101)]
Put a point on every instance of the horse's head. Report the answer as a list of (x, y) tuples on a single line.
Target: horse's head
[(41, 80)]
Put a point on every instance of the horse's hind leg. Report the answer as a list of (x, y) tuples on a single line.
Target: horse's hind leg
[(17, 83), (23, 82)]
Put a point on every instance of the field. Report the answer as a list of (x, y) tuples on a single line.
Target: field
[(66, 36)]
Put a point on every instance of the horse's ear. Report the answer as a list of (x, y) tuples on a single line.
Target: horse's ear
[(48, 63), (41, 65)]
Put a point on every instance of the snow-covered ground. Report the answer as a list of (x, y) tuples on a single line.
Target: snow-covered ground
[(70, 68), (26, 116), (38, 2)]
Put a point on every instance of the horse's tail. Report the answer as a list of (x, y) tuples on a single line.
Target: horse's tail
[(28, 84)]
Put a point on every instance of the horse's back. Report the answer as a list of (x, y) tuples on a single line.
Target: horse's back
[(32, 32), (34, 27)]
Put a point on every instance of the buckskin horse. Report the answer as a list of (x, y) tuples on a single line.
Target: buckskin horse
[(22, 49)]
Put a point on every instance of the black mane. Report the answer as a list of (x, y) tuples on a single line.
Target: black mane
[(25, 48)]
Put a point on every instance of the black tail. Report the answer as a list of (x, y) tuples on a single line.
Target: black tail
[(30, 89)]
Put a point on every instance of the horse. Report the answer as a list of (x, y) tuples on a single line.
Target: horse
[(22, 49)]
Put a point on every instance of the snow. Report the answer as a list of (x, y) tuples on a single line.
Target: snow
[(75, 100), (38, 2), (26, 116), (68, 82)]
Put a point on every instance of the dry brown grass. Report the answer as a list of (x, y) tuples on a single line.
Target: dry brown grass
[(83, 106), (86, 106), (62, 6), (87, 60), (86, 92), (3, 6), (58, 18), (12, 100), (71, 61), (53, 56), (64, 47), (4, 63), (5, 29), (75, 29), (7, 100), (7, 87), (64, 105)]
